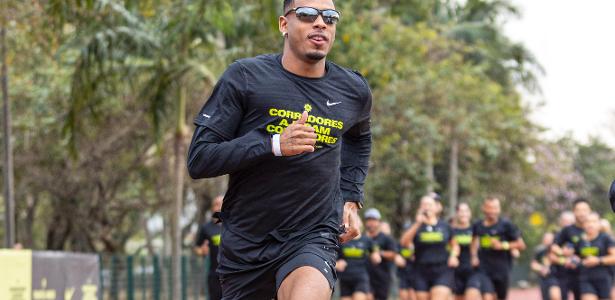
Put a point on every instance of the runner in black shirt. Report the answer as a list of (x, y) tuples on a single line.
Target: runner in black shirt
[(494, 237), (207, 243), (431, 237), (352, 266), (605, 227), (563, 250), (405, 270), (462, 233), (380, 274), (293, 132), (541, 265), (596, 251), (560, 273)]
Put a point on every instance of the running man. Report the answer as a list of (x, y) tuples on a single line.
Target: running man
[(432, 238), (563, 250), (494, 238), (352, 265), (293, 132), (596, 252), (405, 270), (462, 233), (207, 243), (542, 266), (380, 274), (560, 273)]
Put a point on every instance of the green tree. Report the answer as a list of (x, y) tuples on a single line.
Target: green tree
[(595, 161), (123, 51)]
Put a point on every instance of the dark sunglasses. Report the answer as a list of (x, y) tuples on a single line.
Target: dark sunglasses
[(310, 14)]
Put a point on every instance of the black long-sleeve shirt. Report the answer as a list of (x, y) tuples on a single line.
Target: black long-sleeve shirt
[(273, 197)]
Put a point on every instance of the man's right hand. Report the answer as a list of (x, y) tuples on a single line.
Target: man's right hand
[(475, 261), (341, 265), (421, 217), (298, 138)]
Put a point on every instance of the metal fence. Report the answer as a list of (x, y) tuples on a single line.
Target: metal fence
[(149, 277)]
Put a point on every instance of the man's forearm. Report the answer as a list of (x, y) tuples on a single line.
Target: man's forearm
[(518, 245), (210, 155), (356, 149), (408, 236), (474, 247), (388, 254)]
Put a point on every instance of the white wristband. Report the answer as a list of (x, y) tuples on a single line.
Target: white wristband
[(275, 143)]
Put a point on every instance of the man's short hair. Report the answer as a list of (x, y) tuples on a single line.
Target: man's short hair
[(372, 213), (435, 196), (491, 199), (579, 201), (460, 204), (287, 5)]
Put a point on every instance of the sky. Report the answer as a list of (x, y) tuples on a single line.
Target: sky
[(575, 43)]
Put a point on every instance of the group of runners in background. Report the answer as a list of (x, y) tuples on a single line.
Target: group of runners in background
[(435, 258), (579, 258), (458, 258)]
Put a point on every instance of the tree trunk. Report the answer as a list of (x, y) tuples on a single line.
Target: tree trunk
[(180, 166), (453, 175), (429, 173), (406, 204), (28, 233), (9, 196), (58, 230)]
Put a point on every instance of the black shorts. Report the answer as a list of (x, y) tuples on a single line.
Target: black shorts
[(406, 278), (490, 284), (349, 286), (380, 287), (428, 276), (214, 291), (545, 285), (549, 281), (462, 280), (569, 283), (600, 287), (263, 281)]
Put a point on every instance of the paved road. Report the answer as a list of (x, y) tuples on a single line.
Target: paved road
[(524, 294), (534, 294)]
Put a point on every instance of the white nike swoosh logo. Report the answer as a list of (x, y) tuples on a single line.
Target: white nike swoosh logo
[(333, 103), (206, 116)]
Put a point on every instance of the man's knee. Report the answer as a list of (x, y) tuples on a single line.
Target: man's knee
[(304, 283), (472, 294), (440, 292), (555, 293), (489, 296)]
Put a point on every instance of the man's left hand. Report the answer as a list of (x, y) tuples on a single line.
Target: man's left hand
[(350, 221), (591, 261)]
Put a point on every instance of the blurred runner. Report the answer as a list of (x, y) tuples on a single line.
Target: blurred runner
[(405, 270), (462, 233), (207, 243), (431, 237), (493, 239), (380, 274), (563, 250), (541, 265), (596, 252), (352, 266)]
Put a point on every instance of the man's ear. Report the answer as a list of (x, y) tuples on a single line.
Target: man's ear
[(283, 25)]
